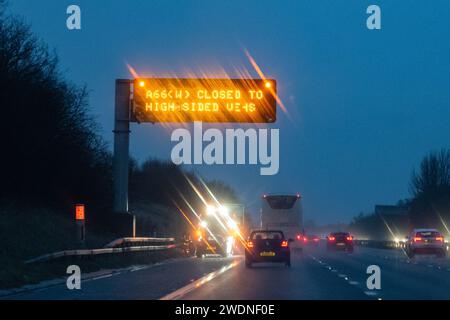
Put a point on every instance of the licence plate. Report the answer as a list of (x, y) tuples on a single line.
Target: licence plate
[(267, 254), (340, 244)]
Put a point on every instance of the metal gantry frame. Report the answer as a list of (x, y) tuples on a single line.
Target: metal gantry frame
[(121, 155)]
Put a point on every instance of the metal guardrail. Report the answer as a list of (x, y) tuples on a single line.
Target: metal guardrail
[(381, 244), (129, 242), (117, 246), (386, 244)]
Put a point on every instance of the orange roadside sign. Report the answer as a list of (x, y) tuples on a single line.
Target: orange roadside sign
[(79, 212)]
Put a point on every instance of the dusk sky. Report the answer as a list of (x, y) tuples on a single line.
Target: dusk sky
[(365, 106)]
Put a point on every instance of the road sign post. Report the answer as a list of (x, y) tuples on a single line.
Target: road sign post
[(80, 219), (121, 146), (134, 226)]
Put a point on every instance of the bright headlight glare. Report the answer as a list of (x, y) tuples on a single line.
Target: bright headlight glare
[(232, 224), (210, 210), (224, 211)]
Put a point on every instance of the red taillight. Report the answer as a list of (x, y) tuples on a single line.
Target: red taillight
[(440, 239), (249, 244), (417, 239), (305, 239), (299, 237), (284, 244), (349, 238), (331, 238)]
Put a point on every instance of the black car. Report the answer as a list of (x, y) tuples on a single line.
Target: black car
[(340, 241), (267, 246)]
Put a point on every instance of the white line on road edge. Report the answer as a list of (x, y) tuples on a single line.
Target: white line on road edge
[(103, 277), (176, 295), (138, 268)]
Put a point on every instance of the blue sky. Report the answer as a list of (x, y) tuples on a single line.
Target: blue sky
[(366, 105)]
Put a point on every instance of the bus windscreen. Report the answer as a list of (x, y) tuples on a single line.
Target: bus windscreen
[(281, 202)]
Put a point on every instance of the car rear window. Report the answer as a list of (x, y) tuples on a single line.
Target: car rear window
[(264, 235), (281, 202), (340, 234), (428, 234)]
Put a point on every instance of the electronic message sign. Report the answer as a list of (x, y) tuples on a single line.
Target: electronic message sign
[(207, 100)]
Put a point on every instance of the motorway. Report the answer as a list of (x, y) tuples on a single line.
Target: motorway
[(315, 274)]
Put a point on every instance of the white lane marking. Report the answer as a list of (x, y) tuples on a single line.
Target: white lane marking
[(139, 268), (178, 294), (354, 283), (104, 277)]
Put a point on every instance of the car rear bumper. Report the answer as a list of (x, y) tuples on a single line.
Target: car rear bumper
[(428, 246), (428, 249), (344, 246)]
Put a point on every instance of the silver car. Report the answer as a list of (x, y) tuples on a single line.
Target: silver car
[(425, 241)]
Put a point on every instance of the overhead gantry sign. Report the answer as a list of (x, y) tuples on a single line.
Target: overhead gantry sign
[(173, 100), (206, 100)]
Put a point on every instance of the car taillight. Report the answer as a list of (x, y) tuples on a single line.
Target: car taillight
[(417, 239), (440, 239), (331, 238), (305, 239), (349, 238), (299, 237), (250, 244), (284, 244)]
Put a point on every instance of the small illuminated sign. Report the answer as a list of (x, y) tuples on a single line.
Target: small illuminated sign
[(80, 212), (206, 100)]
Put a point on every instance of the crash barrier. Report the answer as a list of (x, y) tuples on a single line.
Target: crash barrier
[(123, 245), (380, 244), (133, 242)]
